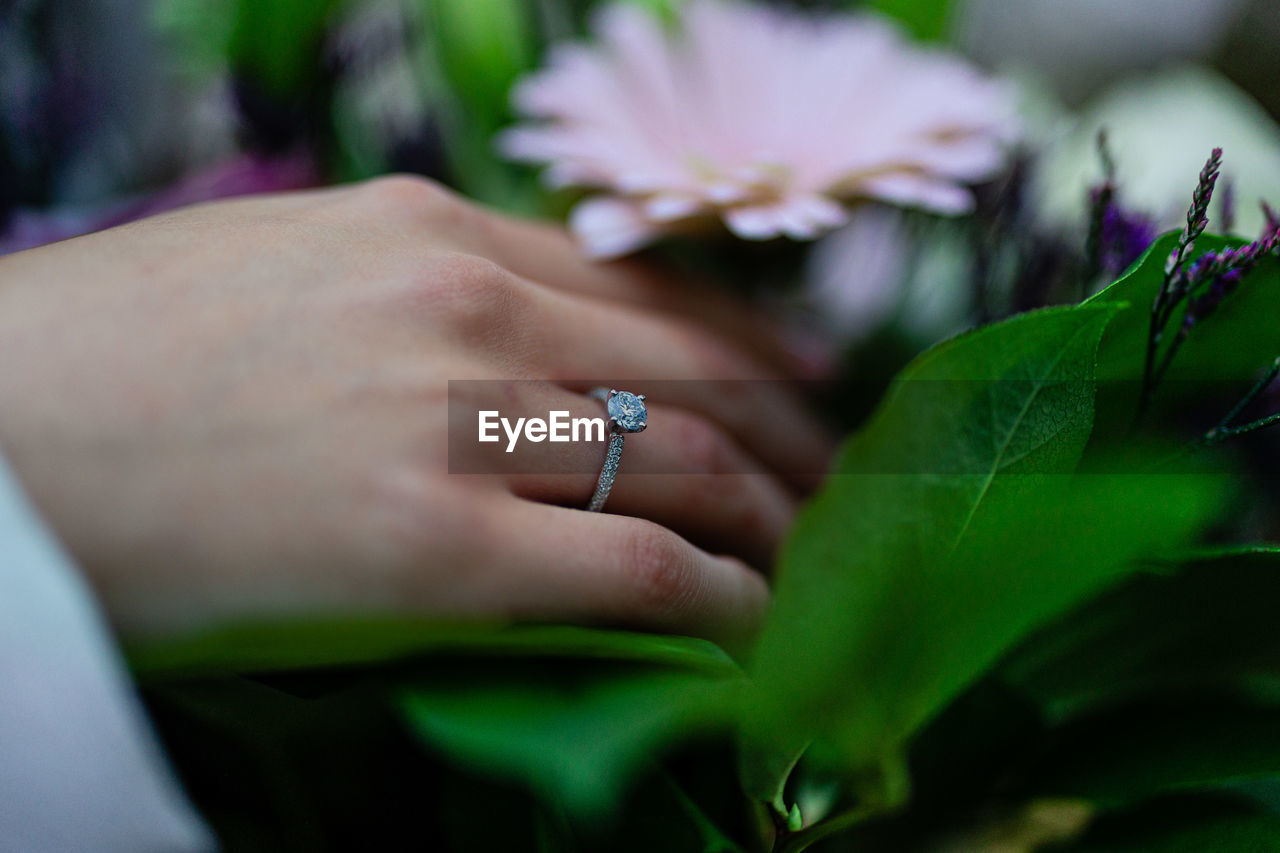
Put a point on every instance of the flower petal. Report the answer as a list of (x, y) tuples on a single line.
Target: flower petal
[(609, 227), (853, 276), (758, 222), (909, 190), (669, 207)]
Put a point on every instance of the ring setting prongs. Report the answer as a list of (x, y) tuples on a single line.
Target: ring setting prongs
[(627, 412)]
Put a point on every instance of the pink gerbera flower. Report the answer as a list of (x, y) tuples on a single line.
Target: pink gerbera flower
[(769, 119)]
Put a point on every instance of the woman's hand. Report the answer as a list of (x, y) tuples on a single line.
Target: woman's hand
[(240, 410)]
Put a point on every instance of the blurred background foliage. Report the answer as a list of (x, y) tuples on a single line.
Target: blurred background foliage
[(368, 86)]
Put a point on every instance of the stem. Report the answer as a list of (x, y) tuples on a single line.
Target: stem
[(1170, 295), (1252, 426), (794, 842), (1148, 365), (1254, 392), (1160, 371), (1223, 429)]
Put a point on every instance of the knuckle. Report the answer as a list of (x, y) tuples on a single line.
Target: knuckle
[(439, 211), (705, 447), (410, 194), (709, 357), (475, 293), (663, 570), (474, 276)]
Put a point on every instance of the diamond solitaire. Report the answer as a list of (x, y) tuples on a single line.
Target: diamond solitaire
[(627, 411)]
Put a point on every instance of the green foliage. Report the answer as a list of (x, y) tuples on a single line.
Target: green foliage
[(276, 43), (925, 19), (473, 53), (1145, 749), (277, 647), (1209, 621), (1185, 825), (200, 33), (666, 10), (480, 47), (949, 530), (765, 762), (578, 745)]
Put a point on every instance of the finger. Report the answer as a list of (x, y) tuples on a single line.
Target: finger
[(625, 346), (687, 474), (531, 329), (558, 563), (422, 211), (548, 254), (684, 472)]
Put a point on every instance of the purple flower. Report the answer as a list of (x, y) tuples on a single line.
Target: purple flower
[(1125, 235)]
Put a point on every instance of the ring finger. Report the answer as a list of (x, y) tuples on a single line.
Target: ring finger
[(684, 472)]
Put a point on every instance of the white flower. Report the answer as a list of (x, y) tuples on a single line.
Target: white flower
[(1160, 129), (768, 119)]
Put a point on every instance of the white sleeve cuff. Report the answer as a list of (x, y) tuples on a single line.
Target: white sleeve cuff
[(80, 768)]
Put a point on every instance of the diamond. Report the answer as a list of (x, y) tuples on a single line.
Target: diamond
[(627, 411)]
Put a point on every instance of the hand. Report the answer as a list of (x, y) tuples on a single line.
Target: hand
[(239, 410)]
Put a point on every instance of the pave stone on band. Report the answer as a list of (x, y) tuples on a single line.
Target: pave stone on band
[(627, 413)]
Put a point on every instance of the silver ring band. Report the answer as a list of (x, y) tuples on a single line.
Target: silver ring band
[(627, 413), (610, 470)]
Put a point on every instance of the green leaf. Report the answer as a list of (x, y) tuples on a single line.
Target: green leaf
[(198, 33), (578, 745), (278, 42), (1227, 350), (966, 751), (473, 53), (1184, 825), (764, 768), (712, 839), (949, 532), (271, 647), (1160, 746), (323, 761), (925, 19), (668, 11), (480, 47), (1207, 622)]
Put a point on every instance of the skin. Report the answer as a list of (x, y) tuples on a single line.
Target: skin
[(240, 410)]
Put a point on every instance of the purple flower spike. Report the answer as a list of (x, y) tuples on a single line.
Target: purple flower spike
[(1197, 214), (1117, 237), (1125, 235), (1227, 206), (1273, 218)]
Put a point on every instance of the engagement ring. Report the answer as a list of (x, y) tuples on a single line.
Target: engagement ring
[(626, 414)]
